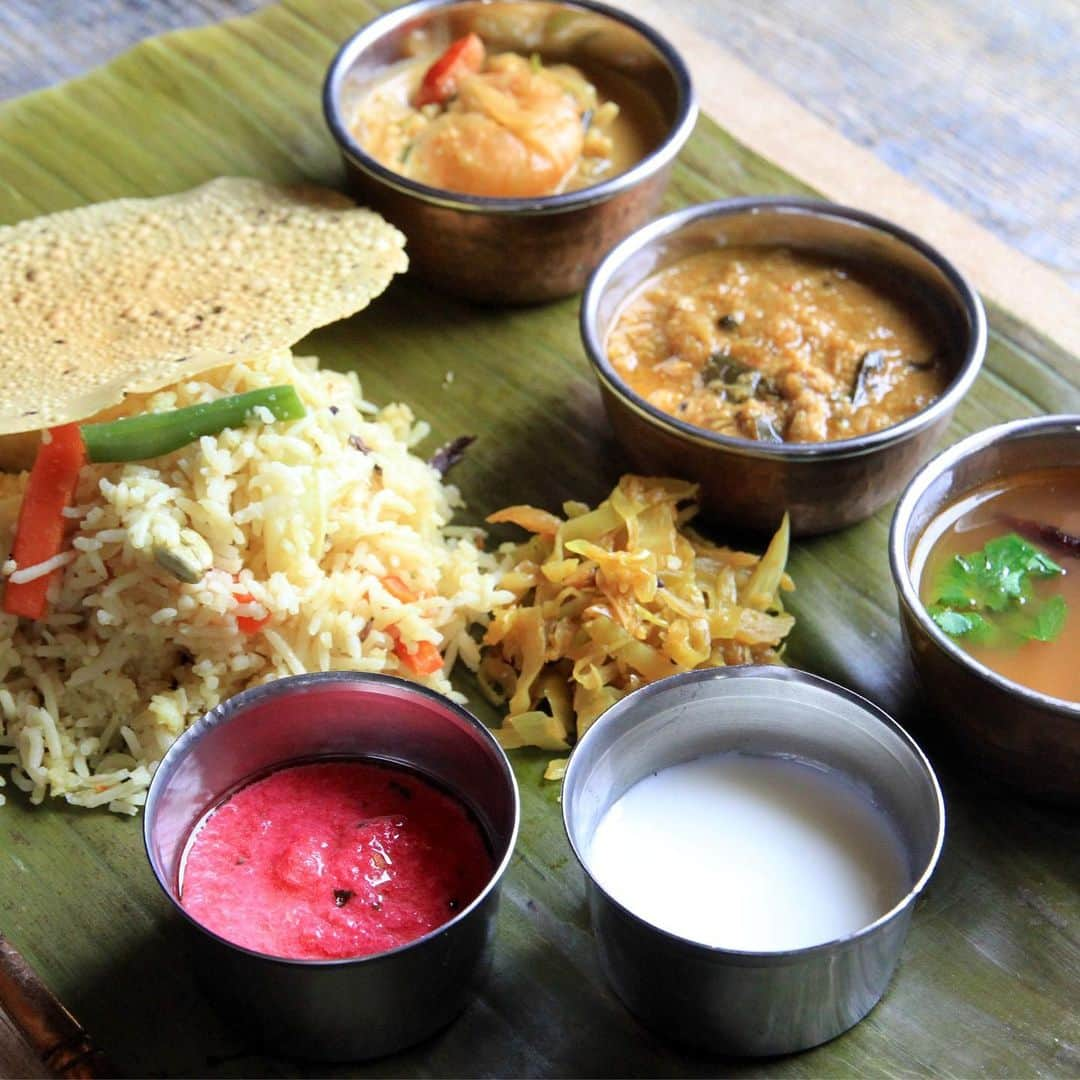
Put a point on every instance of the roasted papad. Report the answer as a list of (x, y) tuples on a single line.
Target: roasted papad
[(132, 295)]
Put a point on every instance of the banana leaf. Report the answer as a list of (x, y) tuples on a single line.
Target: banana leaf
[(987, 983)]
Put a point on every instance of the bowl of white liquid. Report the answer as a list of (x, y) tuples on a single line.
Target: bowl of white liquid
[(753, 840)]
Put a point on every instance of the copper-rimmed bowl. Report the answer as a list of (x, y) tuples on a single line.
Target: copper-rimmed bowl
[(824, 486), (1019, 736), (513, 250)]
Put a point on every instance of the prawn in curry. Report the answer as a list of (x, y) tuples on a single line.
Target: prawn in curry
[(504, 125)]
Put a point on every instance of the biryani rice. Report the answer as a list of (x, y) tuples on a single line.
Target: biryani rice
[(298, 523)]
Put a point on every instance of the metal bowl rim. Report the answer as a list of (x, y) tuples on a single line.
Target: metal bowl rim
[(227, 711), (777, 957), (650, 165), (1062, 424), (669, 224)]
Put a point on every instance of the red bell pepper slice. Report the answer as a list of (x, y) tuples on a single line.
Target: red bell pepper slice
[(39, 534), (440, 82)]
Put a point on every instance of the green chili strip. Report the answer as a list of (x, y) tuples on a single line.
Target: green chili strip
[(138, 438)]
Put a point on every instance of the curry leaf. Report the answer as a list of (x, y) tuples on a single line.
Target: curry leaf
[(871, 365), (734, 380), (724, 368)]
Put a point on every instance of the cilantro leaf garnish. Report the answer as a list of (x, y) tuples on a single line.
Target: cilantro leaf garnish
[(987, 597), (1050, 621), (962, 623)]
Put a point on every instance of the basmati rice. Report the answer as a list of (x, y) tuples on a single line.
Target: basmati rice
[(32, 573), (297, 523)]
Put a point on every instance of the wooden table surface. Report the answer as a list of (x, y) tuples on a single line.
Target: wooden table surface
[(976, 103)]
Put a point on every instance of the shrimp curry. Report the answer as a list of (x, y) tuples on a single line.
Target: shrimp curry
[(503, 125)]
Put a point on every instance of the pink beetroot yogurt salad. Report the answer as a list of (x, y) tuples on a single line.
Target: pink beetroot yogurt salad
[(325, 861)]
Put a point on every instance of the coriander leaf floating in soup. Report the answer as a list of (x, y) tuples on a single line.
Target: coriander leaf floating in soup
[(989, 594), (1000, 574)]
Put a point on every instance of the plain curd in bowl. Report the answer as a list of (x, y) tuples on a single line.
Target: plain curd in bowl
[(750, 852)]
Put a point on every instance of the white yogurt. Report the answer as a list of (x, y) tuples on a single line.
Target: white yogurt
[(751, 853)]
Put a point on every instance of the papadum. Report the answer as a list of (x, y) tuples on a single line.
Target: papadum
[(132, 295)]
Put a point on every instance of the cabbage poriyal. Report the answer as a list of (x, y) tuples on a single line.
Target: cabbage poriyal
[(609, 599)]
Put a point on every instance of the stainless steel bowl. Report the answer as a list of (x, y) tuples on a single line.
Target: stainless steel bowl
[(824, 486), (336, 1010), (724, 1000), (513, 250), (1025, 739)]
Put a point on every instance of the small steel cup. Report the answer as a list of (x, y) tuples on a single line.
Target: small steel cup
[(514, 250), (725, 1000), (336, 1010)]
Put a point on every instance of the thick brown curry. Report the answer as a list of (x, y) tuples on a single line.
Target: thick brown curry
[(775, 345)]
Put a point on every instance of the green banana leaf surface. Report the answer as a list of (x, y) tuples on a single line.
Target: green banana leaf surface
[(988, 982)]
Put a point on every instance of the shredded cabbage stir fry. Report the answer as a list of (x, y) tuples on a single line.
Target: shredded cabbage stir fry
[(609, 599)]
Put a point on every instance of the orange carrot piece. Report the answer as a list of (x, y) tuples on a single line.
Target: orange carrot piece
[(424, 660), (246, 624), (398, 589)]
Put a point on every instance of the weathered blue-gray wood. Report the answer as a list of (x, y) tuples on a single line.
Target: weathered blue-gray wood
[(976, 102)]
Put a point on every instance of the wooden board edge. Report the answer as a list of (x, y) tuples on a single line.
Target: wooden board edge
[(48, 1028)]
